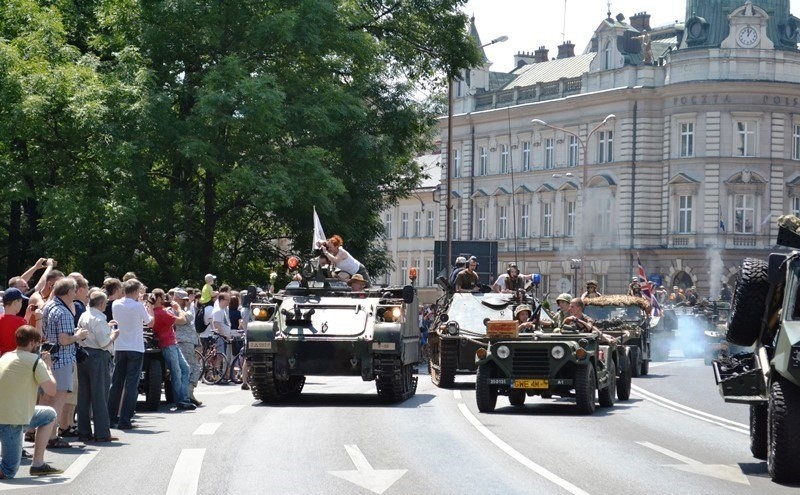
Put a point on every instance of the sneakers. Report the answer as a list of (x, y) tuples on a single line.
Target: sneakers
[(45, 470), (185, 406), (245, 386)]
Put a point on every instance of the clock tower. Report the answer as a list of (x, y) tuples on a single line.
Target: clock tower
[(748, 29)]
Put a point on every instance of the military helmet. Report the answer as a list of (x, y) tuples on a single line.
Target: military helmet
[(521, 308), (564, 297)]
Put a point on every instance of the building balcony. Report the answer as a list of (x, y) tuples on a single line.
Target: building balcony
[(540, 92)]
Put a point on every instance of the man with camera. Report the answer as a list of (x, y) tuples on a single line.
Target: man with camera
[(58, 325), (22, 374), (131, 316)]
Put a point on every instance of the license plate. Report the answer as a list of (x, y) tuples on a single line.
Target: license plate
[(259, 345), (531, 384)]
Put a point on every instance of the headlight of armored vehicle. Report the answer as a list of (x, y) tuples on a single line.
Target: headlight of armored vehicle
[(503, 352), (390, 314), (557, 352), (452, 327), (261, 313)]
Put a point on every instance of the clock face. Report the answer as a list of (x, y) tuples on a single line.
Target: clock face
[(696, 29), (748, 36)]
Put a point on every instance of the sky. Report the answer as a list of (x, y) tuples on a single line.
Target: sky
[(530, 24)]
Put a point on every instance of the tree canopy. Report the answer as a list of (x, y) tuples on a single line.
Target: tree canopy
[(177, 137)]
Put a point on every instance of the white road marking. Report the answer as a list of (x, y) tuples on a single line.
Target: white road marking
[(457, 394), (68, 476), (688, 411), (374, 480), (232, 409), (205, 391), (665, 363), (727, 472), (186, 474), (517, 456), (207, 429)]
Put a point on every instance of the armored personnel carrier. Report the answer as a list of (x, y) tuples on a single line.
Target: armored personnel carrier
[(318, 326), (575, 365), (459, 329), (766, 314)]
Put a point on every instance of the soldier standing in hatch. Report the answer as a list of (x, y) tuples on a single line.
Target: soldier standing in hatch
[(467, 280), (591, 290)]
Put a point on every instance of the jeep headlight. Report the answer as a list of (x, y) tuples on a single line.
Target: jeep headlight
[(503, 352), (452, 328), (557, 352), (262, 313)]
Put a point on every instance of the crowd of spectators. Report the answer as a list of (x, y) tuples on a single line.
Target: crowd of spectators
[(69, 349)]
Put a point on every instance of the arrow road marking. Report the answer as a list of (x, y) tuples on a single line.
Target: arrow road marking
[(727, 472), (376, 481)]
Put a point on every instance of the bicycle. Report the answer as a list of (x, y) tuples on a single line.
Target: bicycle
[(215, 366)]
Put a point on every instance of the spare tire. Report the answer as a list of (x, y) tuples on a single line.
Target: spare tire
[(749, 301)]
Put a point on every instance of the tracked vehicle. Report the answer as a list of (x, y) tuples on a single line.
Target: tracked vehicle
[(318, 326)]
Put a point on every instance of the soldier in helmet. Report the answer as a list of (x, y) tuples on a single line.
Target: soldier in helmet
[(510, 281), (591, 290), (635, 288), (563, 311), (523, 316)]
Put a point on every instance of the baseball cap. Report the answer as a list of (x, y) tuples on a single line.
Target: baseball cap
[(208, 276), (13, 294), (181, 294)]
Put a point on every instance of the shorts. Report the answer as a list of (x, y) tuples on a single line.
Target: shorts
[(72, 399), (222, 344), (64, 378)]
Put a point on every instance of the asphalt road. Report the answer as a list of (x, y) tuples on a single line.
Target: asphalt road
[(674, 436)]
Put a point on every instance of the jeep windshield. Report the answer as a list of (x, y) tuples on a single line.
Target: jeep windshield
[(633, 314)]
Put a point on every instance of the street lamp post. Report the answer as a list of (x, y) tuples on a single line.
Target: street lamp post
[(584, 143), (448, 202)]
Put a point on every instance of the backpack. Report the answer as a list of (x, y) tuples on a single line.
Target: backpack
[(200, 319)]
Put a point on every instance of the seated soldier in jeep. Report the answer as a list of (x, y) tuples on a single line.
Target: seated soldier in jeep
[(579, 322)]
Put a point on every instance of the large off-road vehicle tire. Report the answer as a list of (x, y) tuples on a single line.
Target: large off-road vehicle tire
[(485, 393), (644, 369), (608, 395), (749, 301), (783, 453), (624, 382), (395, 381), (585, 386), (636, 361), (758, 430), (443, 362), (152, 396), (517, 397)]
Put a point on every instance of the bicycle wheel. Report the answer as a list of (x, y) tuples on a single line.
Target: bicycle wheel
[(214, 368), (236, 369)]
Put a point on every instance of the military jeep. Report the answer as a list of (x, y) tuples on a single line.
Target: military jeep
[(459, 330), (766, 314), (318, 326), (628, 319), (573, 365)]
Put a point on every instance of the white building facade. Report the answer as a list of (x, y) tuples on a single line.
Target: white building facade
[(698, 156)]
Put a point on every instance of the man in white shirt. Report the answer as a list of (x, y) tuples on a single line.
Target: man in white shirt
[(131, 316), (221, 323)]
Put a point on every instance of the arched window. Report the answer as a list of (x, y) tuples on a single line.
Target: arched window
[(607, 56)]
